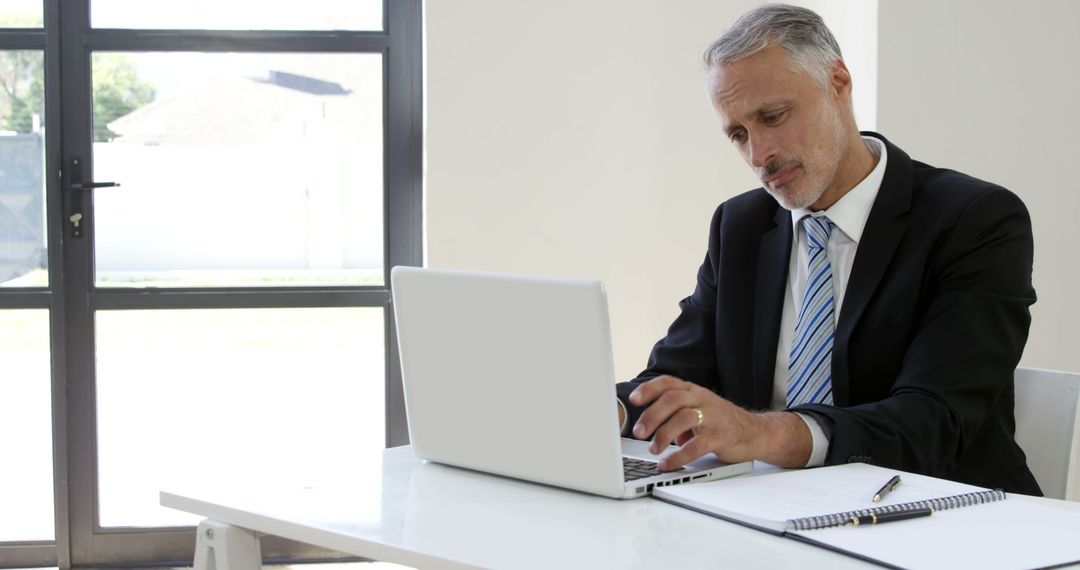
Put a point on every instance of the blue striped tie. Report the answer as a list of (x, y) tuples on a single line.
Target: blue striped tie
[(810, 359)]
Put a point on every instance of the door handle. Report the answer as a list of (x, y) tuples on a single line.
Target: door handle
[(75, 213), (92, 185)]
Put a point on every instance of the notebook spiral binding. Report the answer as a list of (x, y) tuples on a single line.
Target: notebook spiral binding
[(940, 504)]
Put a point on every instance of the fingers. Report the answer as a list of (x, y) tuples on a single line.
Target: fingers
[(694, 448), (667, 395), (665, 409), (683, 421), (653, 389)]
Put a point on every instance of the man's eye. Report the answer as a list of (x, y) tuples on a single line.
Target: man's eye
[(737, 137), (774, 118)]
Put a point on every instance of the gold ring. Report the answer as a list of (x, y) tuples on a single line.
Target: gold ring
[(700, 416)]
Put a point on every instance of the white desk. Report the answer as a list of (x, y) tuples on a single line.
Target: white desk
[(398, 509)]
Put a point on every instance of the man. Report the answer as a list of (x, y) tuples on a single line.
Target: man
[(876, 304)]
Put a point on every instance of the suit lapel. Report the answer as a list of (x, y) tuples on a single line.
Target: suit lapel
[(772, 270), (885, 229)]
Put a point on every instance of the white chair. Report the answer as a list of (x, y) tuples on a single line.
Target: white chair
[(1047, 406)]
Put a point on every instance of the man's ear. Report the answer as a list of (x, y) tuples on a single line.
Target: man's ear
[(840, 79)]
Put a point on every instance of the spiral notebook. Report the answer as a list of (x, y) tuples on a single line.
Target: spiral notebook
[(971, 527)]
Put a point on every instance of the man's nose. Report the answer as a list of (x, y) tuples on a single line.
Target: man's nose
[(762, 150)]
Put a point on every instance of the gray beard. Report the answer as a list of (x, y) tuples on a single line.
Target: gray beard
[(788, 205)]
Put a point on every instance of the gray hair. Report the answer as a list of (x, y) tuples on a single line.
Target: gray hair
[(801, 32)]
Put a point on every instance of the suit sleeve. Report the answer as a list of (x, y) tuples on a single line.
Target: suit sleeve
[(688, 351), (965, 346)]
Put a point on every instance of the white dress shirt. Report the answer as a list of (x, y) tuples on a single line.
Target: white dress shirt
[(849, 215)]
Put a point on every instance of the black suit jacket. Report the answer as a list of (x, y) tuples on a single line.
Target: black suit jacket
[(934, 320)]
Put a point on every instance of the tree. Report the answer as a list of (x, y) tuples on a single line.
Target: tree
[(22, 89), (117, 92), (22, 80)]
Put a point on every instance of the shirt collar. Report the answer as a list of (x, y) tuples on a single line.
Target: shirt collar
[(851, 211)]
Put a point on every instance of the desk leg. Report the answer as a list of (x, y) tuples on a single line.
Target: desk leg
[(219, 546)]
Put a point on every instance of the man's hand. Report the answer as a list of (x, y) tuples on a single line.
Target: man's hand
[(730, 432)]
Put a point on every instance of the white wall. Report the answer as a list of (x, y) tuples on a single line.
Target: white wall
[(575, 138), (992, 88)]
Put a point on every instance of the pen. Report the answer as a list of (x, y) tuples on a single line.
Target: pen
[(890, 517), (887, 487)]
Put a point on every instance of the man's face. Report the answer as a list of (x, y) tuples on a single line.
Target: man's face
[(787, 126)]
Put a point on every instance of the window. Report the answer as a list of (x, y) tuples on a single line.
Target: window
[(214, 257)]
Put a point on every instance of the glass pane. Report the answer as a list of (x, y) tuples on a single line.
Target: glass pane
[(23, 248), (26, 478), (238, 169), (363, 15), (22, 14), (185, 395)]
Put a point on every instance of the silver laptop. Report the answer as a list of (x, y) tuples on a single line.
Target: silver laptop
[(513, 375)]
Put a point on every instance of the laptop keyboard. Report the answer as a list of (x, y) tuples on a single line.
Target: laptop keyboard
[(634, 469)]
